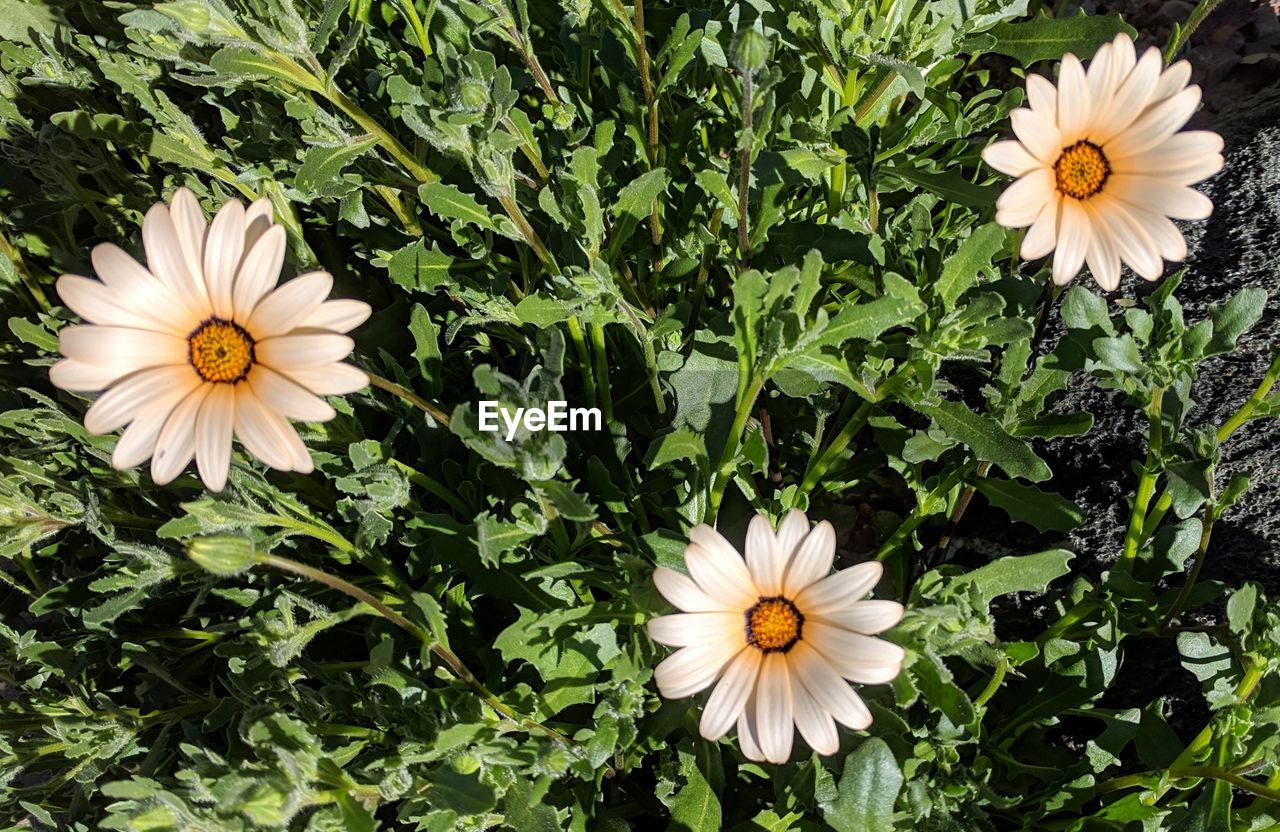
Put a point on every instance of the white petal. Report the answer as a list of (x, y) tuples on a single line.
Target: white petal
[(1126, 55), (1042, 236), (838, 590), (260, 431), (1192, 151), (188, 223), (1010, 157), (866, 617), (289, 305), (854, 656), (80, 377), (177, 442), (748, 732), (222, 255), (257, 219), (213, 435), (1103, 257), (1131, 238), (1164, 234), (1074, 107), (684, 594), (284, 397), (1024, 200), (1154, 126), (691, 669), (730, 696), (1042, 95), (1038, 135), (138, 441), (330, 379), (685, 629), (774, 715), (157, 387), (791, 533), (340, 315), (1164, 196), (259, 271), (812, 560), (97, 303), (1073, 242), (1172, 81), (828, 689), (1104, 75), (121, 347), (1129, 101), (287, 352), (813, 721), (764, 558), (718, 569), (168, 262), (145, 294)]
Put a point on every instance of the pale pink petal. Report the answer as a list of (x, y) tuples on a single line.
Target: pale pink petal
[(838, 590), (718, 568), (853, 655), (866, 617), (684, 594), (97, 303), (188, 223), (828, 689), (1042, 236), (1103, 256), (1074, 106), (1164, 234), (1168, 198), (1132, 239), (340, 315), (730, 696), (692, 669), (222, 255), (260, 433), (288, 352), (812, 560), (213, 435), (764, 557), (1042, 95), (79, 377), (1172, 81), (289, 305), (177, 442), (137, 392), (774, 714), (1154, 126), (748, 732), (812, 720), (145, 294), (259, 271), (688, 628), (1023, 201), (283, 396), (791, 532), (1129, 100), (167, 261), (121, 347), (1073, 242), (1010, 157), (1038, 134)]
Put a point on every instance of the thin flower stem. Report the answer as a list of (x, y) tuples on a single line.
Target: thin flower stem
[(14, 256), (432, 486), (1146, 484), (599, 349), (1225, 432), (1202, 10), (409, 396), (744, 175), (993, 685), (720, 479), (448, 657), (1245, 689), (531, 60), (584, 360), (410, 13), (818, 467), (651, 104), (923, 511), (1201, 550), (1185, 772)]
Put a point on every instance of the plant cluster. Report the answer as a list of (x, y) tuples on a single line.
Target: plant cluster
[(761, 239)]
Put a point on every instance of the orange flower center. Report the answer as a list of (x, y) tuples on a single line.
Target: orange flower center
[(221, 351), (774, 625), (1081, 170)]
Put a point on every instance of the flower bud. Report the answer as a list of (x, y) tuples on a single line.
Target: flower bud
[(222, 554), (751, 50)]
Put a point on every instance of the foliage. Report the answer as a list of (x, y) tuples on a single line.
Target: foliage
[(758, 238)]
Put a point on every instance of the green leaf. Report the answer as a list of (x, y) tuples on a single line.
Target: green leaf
[(1025, 573), (1233, 318), (867, 792), (237, 63), (988, 440), (900, 306), (951, 185), (418, 267), (449, 203), (324, 164), (960, 271), (635, 200), (695, 807), (1045, 38), (1043, 509)]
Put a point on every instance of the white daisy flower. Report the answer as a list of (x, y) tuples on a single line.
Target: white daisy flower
[(201, 344), (780, 634), (1102, 167)]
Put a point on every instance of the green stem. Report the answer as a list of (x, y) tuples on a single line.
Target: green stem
[(997, 679), (432, 486), (819, 466), (601, 354), (923, 511), (722, 475), (409, 396), (1201, 550), (744, 175), (1146, 484), (14, 256), (584, 360), (1185, 772), (448, 657), (1202, 10), (1248, 684), (1225, 432), (410, 13)]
